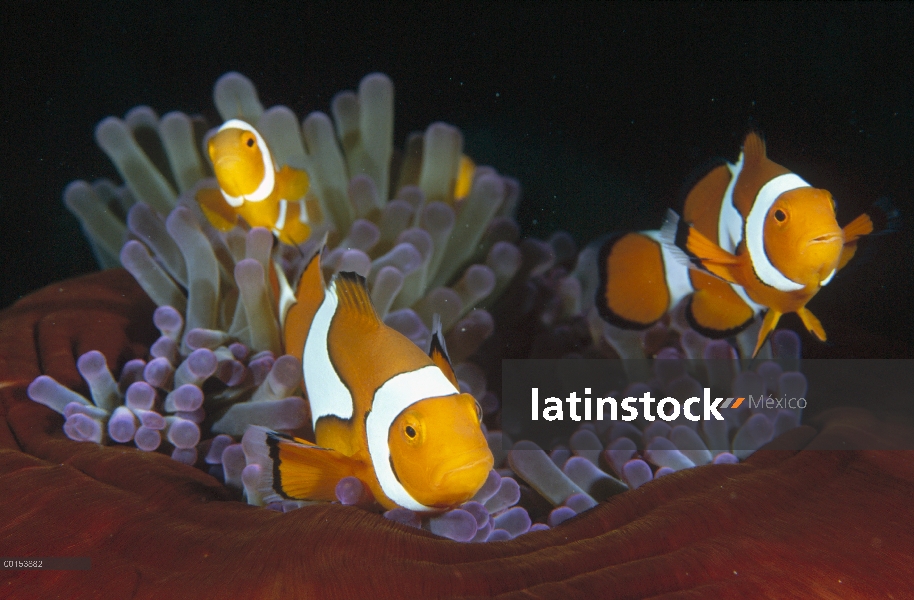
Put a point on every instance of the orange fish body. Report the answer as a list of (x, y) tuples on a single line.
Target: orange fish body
[(253, 187), (754, 238), (383, 411)]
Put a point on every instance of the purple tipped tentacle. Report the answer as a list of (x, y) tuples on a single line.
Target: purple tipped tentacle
[(196, 368), (94, 369), (636, 472), (182, 433), (404, 516), (560, 515), (233, 463), (46, 390), (457, 524), (516, 521), (122, 425), (217, 447), (159, 373), (147, 439)]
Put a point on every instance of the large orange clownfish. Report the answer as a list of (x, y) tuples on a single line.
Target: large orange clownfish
[(383, 411), (754, 238), (253, 187)]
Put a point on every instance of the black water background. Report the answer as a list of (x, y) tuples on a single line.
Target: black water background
[(602, 111)]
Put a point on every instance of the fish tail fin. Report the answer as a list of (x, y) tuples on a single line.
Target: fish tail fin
[(437, 351), (632, 292), (811, 323), (292, 468), (682, 239), (300, 312), (768, 324)]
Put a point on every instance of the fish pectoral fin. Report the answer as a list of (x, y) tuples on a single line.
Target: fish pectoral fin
[(304, 471), (880, 219), (681, 238), (768, 324), (859, 227), (437, 351), (812, 323), (294, 183), (219, 213)]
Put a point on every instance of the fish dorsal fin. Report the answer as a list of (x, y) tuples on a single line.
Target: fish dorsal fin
[(754, 149), (437, 351), (299, 313), (757, 170), (351, 290)]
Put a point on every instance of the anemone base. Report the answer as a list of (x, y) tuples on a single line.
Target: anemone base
[(785, 523)]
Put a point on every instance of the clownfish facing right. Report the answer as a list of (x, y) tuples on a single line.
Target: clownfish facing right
[(383, 411), (253, 187), (754, 238)]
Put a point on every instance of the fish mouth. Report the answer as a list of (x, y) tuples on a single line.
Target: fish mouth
[(826, 238), (464, 469)]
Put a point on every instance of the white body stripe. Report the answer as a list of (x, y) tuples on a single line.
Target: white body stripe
[(730, 222), (828, 279), (396, 395), (269, 175), (755, 231), (326, 392), (302, 212), (741, 292), (281, 219), (676, 271)]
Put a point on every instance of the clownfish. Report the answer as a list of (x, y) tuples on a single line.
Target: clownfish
[(253, 187), (382, 410), (754, 238)]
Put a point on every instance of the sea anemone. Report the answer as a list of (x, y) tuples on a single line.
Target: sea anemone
[(432, 232), (218, 367)]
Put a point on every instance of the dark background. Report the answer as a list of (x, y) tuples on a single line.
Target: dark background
[(602, 111)]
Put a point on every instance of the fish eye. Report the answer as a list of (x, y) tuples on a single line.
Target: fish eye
[(410, 432), (780, 215)]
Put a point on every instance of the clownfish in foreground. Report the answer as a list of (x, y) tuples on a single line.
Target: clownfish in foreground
[(253, 187), (383, 411), (754, 238)]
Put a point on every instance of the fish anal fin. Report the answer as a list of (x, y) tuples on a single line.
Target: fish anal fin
[(811, 323), (354, 299), (307, 472), (768, 324), (217, 211), (437, 351), (308, 297)]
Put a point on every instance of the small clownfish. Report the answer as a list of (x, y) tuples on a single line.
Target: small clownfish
[(754, 238), (383, 411), (251, 186)]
